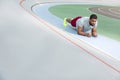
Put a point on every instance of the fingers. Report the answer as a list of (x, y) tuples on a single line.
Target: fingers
[(89, 35)]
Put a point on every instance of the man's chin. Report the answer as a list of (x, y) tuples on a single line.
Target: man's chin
[(92, 24)]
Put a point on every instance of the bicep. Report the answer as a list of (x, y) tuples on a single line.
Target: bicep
[(80, 29)]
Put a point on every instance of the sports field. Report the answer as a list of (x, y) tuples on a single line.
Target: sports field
[(107, 26)]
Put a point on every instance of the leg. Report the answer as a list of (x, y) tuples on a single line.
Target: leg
[(66, 21), (72, 22), (69, 20)]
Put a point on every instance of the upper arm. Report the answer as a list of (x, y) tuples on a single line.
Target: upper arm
[(80, 29)]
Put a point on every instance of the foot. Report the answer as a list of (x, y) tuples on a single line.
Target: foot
[(65, 23)]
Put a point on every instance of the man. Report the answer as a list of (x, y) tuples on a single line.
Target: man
[(85, 26)]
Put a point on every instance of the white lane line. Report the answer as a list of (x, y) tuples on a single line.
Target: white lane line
[(100, 10), (112, 11)]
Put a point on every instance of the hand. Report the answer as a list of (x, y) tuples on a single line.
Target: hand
[(88, 34)]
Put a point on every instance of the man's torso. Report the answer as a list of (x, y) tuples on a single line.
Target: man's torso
[(84, 23)]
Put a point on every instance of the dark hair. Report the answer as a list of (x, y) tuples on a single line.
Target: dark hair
[(93, 16)]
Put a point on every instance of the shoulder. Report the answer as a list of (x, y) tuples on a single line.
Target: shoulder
[(85, 18), (96, 24)]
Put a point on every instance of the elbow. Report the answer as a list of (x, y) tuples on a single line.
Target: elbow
[(79, 33)]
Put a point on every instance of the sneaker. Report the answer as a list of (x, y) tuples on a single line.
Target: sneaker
[(65, 23)]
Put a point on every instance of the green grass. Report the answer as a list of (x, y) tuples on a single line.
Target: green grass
[(106, 26)]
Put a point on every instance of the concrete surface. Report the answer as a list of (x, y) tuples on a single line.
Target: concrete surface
[(30, 51)]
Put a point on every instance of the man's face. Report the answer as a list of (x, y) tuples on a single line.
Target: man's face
[(93, 21)]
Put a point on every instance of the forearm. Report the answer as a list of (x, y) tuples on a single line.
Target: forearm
[(82, 33), (94, 34)]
